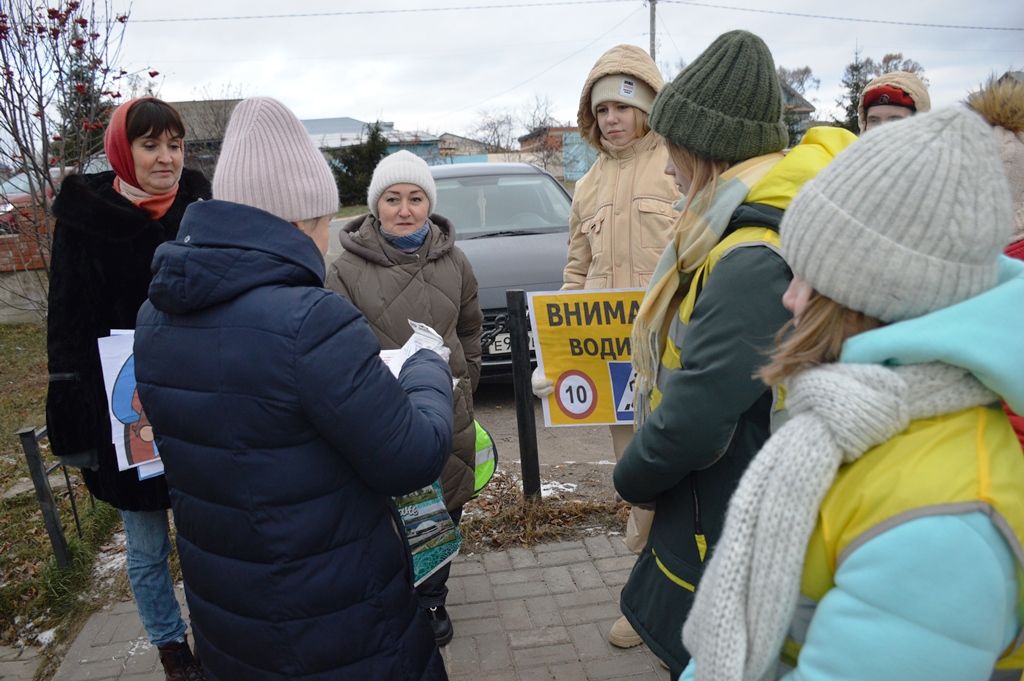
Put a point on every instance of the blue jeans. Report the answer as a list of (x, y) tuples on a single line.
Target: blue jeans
[(150, 575)]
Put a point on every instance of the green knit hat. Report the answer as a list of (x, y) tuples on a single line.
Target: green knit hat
[(727, 104)]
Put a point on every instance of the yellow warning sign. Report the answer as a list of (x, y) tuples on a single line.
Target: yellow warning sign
[(583, 345)]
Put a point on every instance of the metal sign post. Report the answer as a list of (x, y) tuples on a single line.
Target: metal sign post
[(51, 517), (521, 370)]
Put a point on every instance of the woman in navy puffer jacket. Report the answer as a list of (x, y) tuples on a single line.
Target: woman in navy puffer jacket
[(282, 433)]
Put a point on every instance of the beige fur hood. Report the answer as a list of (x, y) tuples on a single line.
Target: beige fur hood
[(1001, 103), (904, 80), (628, 60)]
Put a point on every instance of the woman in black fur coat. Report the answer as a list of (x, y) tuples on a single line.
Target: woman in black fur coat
[(108, 226)]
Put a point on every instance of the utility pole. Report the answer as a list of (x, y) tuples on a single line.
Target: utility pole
[(652, 3)]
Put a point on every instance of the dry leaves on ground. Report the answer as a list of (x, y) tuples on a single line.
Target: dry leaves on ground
[(500, 517)]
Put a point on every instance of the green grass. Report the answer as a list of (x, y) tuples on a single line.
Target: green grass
[(23, 380), (32, 588), (59, 589), (351, 211)]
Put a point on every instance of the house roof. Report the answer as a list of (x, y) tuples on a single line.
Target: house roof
[(453, 136), (793, 100), (205, 119), (547, 130), (331, 133), (330, 126)]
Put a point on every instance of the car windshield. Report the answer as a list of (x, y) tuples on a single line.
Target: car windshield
[(502, 205), (22, 183), (16, 184)]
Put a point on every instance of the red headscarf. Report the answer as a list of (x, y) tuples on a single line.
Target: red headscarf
[(119, 153), (118, 146)]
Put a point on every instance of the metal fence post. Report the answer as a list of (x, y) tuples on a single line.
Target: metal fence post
[(51, 516), (521, 370)]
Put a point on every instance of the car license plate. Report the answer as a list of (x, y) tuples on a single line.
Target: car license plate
[(502, 344)]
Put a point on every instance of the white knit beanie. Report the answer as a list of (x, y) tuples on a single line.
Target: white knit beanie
[(624, 89), (910, 219), (401, 167), (268, 161)]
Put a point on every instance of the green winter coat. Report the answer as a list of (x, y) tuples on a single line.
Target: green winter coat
[(713, 415)]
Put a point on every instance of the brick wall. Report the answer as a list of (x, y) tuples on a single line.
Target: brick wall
[(19, 253), (25, 245)]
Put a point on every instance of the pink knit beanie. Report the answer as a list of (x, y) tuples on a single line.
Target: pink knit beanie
[(268, 161)]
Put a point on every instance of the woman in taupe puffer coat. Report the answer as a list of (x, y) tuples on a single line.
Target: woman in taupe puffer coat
[(401, 263)]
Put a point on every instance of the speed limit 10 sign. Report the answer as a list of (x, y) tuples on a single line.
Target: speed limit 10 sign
[(575, 394)]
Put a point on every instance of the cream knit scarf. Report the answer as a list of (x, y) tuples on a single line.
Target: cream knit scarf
[(749, 591)]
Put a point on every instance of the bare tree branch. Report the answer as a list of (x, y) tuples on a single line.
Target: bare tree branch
[(59, 86)]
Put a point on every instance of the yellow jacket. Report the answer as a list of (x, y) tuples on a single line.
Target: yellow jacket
[(959, 463)]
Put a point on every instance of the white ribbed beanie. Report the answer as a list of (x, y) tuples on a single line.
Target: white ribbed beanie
[(401, 167), (268, 161), (622, 88), (908, 220)]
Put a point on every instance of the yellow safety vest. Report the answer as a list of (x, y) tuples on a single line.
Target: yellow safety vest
[(741, 238), (671, 358), (957, 463)]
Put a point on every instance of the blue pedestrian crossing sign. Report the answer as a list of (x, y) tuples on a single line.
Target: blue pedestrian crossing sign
[(623, 389)]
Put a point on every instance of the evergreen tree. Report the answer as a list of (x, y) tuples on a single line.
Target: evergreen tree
[(353, 165), (857, 75), (860, 72)]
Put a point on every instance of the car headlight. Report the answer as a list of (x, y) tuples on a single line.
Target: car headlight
[(6, 208)]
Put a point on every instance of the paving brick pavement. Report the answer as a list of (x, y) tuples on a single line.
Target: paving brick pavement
[(525, 614), (18, 664)]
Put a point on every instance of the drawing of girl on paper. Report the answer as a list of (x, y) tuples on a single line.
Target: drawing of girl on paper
[(139, 444)]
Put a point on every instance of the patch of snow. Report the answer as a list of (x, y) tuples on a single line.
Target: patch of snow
[(107, 564), (139, 646), (46, 638), (554, 487), (110, 559)]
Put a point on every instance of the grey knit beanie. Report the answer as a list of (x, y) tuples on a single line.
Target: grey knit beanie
[(910, 219), (727, 104), (401, 167), (268, 161)]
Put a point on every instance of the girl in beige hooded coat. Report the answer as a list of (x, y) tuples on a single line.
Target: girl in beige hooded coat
[(623, 212), (623, 208)]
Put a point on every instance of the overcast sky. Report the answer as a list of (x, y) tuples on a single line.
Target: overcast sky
[(436, 70)]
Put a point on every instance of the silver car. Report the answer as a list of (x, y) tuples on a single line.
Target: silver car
[(512, 222)]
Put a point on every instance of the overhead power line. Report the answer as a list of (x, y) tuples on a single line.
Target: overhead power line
[(832, 18), (356, 12), (555, 3), (537, 75)]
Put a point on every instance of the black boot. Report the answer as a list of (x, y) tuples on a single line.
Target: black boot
[(441, 625), (178, 662)]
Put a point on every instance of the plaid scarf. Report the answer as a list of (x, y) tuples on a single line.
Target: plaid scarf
[(697, 232)]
